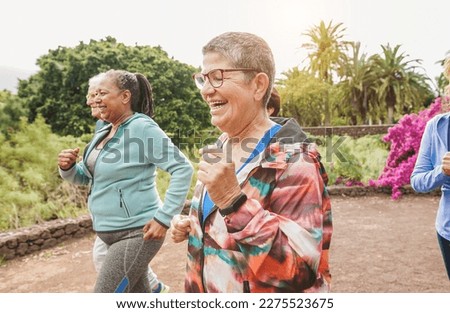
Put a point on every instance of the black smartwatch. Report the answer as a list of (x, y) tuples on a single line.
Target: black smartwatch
[(234, 206)]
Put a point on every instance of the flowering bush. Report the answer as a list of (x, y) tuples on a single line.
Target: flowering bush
[(404, 140)]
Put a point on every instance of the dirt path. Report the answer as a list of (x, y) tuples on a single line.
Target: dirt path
[(378, 245)]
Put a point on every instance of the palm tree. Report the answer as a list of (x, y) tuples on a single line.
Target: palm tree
[(326, 54), (355, 85), (397, 82)]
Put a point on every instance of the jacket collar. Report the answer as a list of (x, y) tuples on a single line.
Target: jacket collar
[(290, 132), (290, 136), (103, 132)]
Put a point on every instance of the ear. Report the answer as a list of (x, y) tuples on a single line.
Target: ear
[(126, 96), (261, 82)]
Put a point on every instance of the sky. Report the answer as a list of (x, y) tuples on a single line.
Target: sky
[(30, 28)]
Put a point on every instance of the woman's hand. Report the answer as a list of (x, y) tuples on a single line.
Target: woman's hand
[(180, 226), (67, 158), (154, 230), (446, 164), (218, 174)]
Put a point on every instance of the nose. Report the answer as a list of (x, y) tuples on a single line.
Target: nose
[(207, 88)]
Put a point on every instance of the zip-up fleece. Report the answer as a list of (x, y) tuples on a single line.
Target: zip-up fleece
[(427, 174), (278, 240), (123, 188)]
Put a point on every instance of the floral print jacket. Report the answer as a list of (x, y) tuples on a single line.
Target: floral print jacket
[(278, 240)]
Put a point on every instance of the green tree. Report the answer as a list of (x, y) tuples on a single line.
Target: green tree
[(11, 110), (58, 90), (398, 85), (303, 97), (355, 87), (327, 54)]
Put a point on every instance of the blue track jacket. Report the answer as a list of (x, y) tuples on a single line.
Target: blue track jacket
[(427, 174), (123, 188)]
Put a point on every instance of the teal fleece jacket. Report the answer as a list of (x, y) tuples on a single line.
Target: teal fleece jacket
[(123, 186)]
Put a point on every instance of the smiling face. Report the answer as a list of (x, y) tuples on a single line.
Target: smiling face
[(113, 104), (233, 106), (91, 96)]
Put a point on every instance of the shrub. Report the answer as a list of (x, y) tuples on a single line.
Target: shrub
[(404, 139), (351, 161), (30, 188)]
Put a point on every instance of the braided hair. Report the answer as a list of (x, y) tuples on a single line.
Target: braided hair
[(139, 87)]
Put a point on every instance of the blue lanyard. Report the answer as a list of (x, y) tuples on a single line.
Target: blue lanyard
[(260, 147)]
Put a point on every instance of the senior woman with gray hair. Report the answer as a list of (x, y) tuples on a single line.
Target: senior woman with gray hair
[(260, 218)]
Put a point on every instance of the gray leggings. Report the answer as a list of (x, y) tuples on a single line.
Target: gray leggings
[(126, 263)]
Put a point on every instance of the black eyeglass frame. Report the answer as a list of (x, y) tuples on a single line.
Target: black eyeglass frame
[(204, 76)]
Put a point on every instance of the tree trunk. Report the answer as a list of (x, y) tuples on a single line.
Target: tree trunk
[(364, 106), (390, 117)]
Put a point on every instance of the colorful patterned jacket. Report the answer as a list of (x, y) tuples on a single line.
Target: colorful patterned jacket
[(278, 240)]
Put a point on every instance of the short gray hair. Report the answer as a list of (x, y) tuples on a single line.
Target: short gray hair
[(247, 51)]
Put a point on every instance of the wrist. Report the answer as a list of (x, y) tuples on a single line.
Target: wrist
[(226, 199), (66, 169), (234, 205)]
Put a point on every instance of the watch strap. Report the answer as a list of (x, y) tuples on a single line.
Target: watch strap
[(234, 206)]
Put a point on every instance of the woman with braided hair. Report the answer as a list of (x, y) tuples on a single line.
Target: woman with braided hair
[(120, 164)]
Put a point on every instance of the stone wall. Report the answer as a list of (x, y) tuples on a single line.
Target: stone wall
[(360, 191), (27, 240), (351, 131), (39, 237)]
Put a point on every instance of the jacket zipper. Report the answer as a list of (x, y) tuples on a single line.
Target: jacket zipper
[(246, 287), (123, 204), (202, 254)]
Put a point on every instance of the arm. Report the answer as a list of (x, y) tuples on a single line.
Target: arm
[(165, 155), (287, 245), (69, 170), (426, 176)]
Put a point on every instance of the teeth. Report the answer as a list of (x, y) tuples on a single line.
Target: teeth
[(216, 102), (216, 107)]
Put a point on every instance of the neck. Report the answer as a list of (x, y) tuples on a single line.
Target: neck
[(124, 117), (255, 129)]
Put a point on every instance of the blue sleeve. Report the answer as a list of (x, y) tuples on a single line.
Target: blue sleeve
[(166, 156), (426, 176)]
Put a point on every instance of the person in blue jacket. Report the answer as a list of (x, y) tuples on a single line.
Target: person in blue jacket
[(100, 248), (432, 169), (120, 164)]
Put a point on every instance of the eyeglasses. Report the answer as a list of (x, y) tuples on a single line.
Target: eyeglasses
[(215, 77)]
